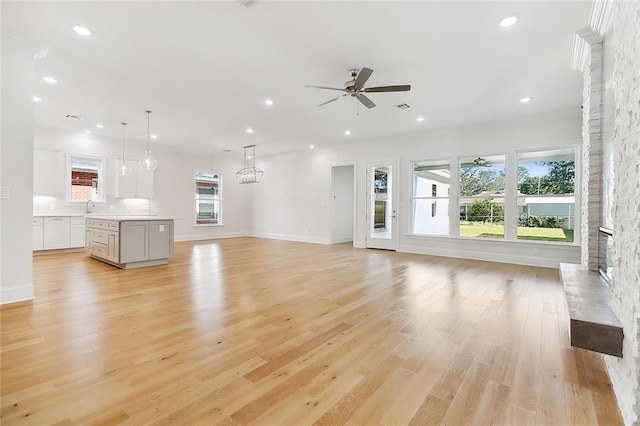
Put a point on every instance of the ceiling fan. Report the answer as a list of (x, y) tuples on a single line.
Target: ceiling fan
[(355, 88)]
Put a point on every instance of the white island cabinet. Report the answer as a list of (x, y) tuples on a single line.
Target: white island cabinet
[(130, 241)]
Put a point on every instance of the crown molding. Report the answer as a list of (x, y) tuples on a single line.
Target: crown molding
[(600, 16), (599, 20)]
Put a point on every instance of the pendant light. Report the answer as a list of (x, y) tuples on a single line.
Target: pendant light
[(250, 174), (122, 168), (148, 162)]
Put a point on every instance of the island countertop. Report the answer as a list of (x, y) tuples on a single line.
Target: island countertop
[(125, 218)]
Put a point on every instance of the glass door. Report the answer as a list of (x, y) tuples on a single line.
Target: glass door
[(382, 205)]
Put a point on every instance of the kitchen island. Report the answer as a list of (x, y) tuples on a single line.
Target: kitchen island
[(129, 241)]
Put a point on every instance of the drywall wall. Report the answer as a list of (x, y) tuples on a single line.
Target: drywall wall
[(16, 171), (292, 201)]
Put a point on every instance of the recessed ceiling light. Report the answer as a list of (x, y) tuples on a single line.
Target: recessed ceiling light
[(88, 131), (37, 99), (249, 130), (99, 126), (311, 147), (50, 80), (249, 157), (525, 100), (268, 102), (347, 132), (508, 21), (82, 30), (420, 119), (153, 136)]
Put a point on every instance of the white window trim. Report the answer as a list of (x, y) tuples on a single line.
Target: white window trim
[(510, 203), (194, 202), (102, 181)]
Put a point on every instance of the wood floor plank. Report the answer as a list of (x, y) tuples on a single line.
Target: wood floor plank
[(254, 331)]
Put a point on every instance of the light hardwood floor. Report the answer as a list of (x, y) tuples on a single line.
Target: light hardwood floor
[(253, 331)]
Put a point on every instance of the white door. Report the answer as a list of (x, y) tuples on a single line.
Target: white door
[(382, 202)]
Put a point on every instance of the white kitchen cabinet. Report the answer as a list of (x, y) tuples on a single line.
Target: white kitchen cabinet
[(137, 184), (56, 232), (38, 233), (76, 233), (44, 172)]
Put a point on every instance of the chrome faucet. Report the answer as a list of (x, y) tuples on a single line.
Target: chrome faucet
[(92, 203)]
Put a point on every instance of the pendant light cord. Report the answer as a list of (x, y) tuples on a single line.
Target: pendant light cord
[(123, 139), (148, 131)]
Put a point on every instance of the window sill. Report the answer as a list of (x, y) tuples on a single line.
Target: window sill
[(497, 240)]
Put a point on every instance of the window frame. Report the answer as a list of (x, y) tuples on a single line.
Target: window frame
[(510, 196), (439, 162), (101, 198), (217, 200)]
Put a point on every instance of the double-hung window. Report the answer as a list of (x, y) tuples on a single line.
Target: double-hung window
[(546, 195), (482, 185), (207, 196), (431, 189)]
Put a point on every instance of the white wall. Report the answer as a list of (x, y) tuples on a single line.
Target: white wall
[(292, 201), (173, 183), (16, 174)]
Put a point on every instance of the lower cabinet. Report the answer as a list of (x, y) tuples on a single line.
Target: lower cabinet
[(38, 233), (58, 232), (76, 234), (130, 244)]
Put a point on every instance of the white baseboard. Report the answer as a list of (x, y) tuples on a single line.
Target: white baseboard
[(493, 256), (213, 236), (342, 240), (16, 293), (284, 237)]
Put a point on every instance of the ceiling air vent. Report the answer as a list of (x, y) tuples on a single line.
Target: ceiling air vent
[(403, 106), (73, 117)]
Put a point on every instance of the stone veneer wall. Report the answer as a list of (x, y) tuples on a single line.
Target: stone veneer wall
[(591, 182), (625, 372)]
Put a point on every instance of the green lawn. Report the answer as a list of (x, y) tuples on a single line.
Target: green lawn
[(490, 230)]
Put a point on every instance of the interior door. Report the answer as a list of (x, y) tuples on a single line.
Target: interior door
[(382, 196)]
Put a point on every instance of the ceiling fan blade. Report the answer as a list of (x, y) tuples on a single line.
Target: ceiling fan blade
[(334, 99), (365, 101), (324, 87), (399, 88), (363, 76)]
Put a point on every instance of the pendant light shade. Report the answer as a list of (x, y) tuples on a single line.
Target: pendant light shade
[(249, 174), (148, 162), (122, 168)]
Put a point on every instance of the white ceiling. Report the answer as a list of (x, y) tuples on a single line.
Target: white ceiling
[(205, 68)]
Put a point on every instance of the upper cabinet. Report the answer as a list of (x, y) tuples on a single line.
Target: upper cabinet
[(44, 172), (137, 184)]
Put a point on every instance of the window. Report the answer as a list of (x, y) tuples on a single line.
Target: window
[(207, 196), (546, 195), (482, 184), (431, 181), (85, 176)]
